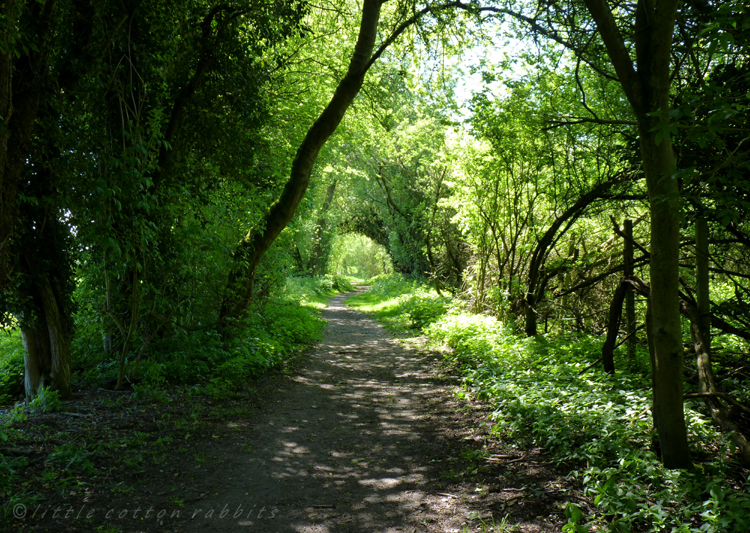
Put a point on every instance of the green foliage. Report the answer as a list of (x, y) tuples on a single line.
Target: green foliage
[(201, 360), (146, 183), (315, 291), (334, 283), (16, 414), (270, 338), (11, 365), (47, 401), (423, 307), (599, 424), (359, 256), (70, 457), (401, 304), (138, 188), (574, 515), (9, 468), (398, 167), (471, 336)]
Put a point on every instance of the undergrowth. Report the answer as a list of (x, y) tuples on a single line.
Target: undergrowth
[(196, 359), (545, 394), (402, 304), (11, 365), (316, 291), (208, 365)]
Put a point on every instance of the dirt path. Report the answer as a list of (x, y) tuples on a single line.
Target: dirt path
[(366, 435), (364, 438)]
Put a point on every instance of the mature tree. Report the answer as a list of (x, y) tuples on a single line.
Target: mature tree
[(643, 70), (645, 79), (34, 237), (25, 30), (258, 240), (118, 116)]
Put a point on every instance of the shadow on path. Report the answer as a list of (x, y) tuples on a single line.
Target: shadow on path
[(354, 442)]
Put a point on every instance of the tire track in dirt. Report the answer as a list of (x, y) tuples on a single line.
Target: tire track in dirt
[(360, 439)]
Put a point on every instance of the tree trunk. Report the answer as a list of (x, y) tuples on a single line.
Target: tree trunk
[(47, 340), (530, 315), (251, 249), (534, 289), (428, 236), (20, 95), (630, 325), (433, 265), (702, 341), (299, 263), (479, 292), (666, 331), (44, 325), (646, 85), (613, 328), (319, 253), (700, 328), (37, 360), (10, 11), (453, 251), (710, 392), (127, 333), (58, 329)]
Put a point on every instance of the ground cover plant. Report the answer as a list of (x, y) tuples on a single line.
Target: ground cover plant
[(401, 302), (545, 392)]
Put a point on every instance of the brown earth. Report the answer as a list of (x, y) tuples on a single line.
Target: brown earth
[(365, 435)]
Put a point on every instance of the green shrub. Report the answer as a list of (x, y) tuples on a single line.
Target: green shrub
[(11, 366), (340, 283), (47, 401), (423, 307), (265, 339), (69, 456), (315, 290), (391, 285), (9, 470)]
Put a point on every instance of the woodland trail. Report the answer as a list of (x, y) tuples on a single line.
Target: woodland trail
[(367, 436)]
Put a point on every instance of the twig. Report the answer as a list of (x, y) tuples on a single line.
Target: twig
[(623, 341), (511, 500), (722, 395), (498, 458), (592, 365)]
